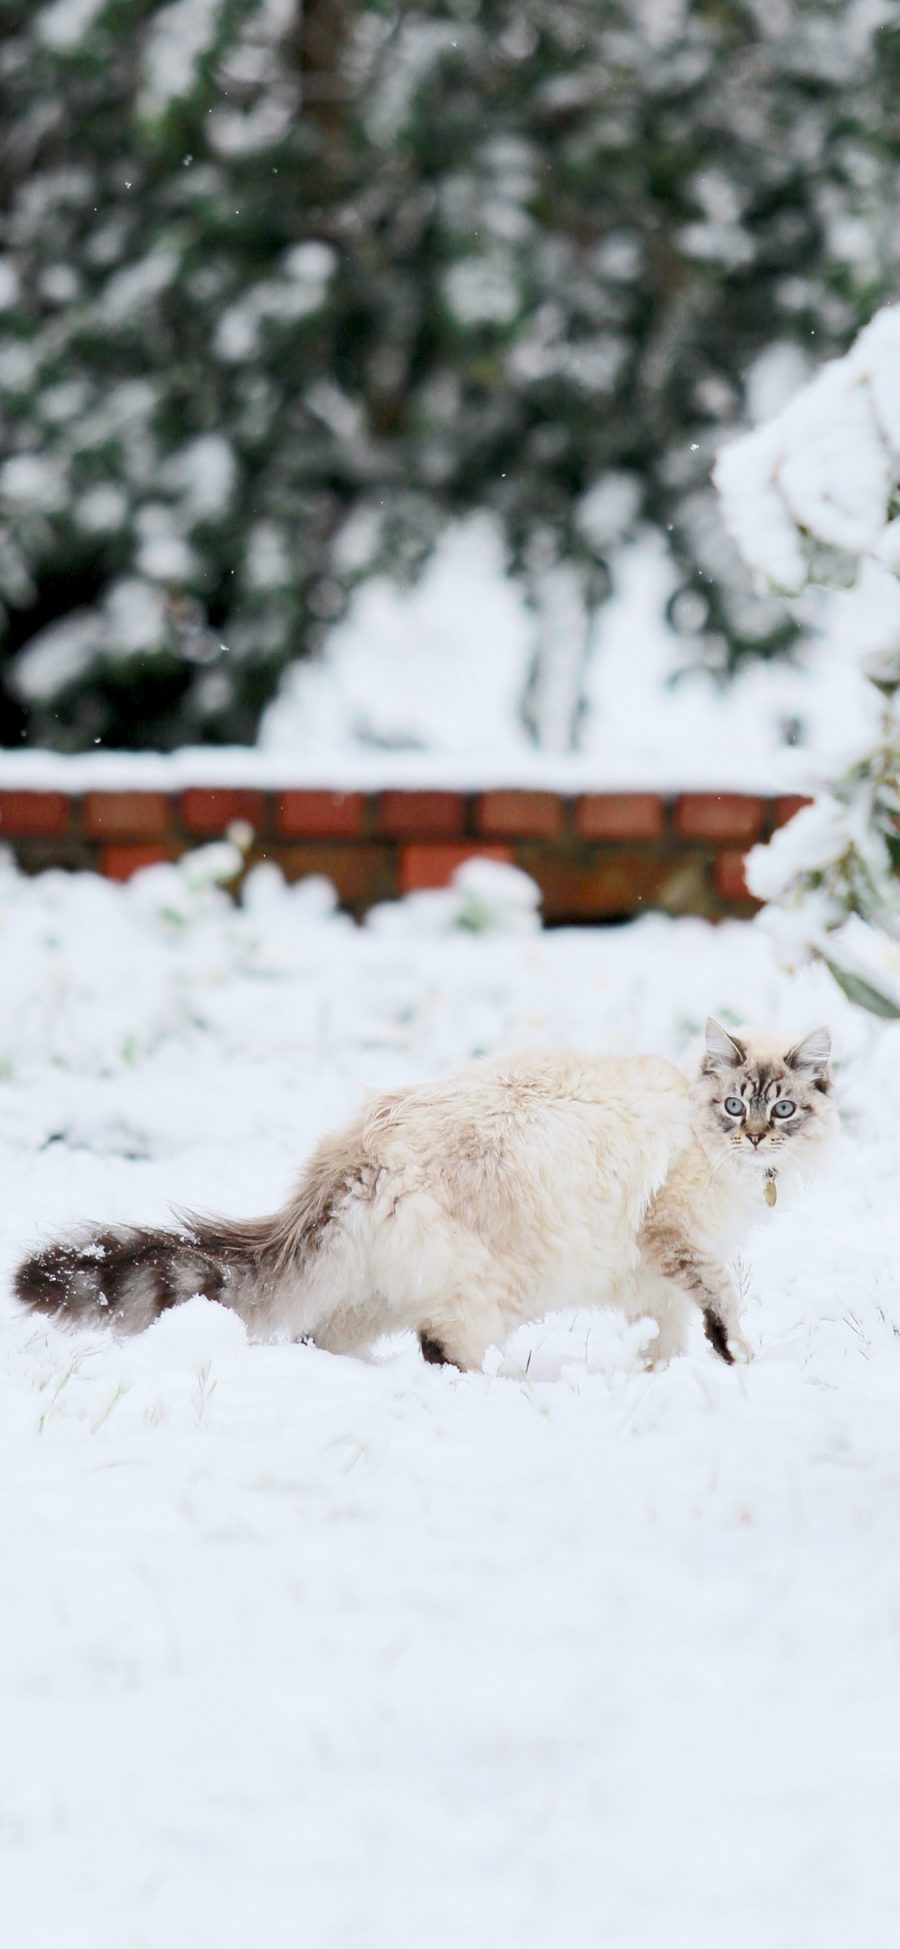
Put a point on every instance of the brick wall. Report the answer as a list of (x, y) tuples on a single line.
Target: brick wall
[(598, 856)]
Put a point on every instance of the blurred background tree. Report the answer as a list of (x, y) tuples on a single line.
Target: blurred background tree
[(284, 288)]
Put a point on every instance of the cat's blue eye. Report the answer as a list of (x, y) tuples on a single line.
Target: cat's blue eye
[(734, 1106), (785, 1108)]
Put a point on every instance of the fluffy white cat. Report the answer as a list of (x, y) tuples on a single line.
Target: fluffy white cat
[(514, 1189)]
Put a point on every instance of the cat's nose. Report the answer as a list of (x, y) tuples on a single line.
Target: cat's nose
[(756, 1137)]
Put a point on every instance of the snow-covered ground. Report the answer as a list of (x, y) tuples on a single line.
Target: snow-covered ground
[(369, 1655)]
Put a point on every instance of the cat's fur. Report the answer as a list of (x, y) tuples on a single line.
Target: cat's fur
[(461, 1209)]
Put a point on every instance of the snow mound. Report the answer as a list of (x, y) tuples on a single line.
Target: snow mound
[(485, 896)]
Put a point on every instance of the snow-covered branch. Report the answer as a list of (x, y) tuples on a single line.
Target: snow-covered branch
[(815, 491), (809, 498)]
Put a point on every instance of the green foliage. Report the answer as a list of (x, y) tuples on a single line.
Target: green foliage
[(283, 290), (863, 993), (865, 878), (833, 875)]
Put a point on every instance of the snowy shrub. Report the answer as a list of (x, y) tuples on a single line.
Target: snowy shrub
[(272, 276), (485, 896), (812, 496)]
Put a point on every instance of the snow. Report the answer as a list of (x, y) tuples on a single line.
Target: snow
[(9, 283), (825, 470), (204, 471), (369, 1654), (389, 701), (831, 858), (18, 364), (389, 704), (163, 556), (608, 510), (131, 290), (300, 292), (100, 509), (484, 897), (813, 838), (812, 496), (131, 619), (61, 284), (399, 673), (267, 562), (407, 662), (482, 291), (178, 37), (34, 482), (60, 403), (62, 25), (246, 133), (310, 263), (56, 657), (773, 378), (134, 611), (301, 295), (415, 46)]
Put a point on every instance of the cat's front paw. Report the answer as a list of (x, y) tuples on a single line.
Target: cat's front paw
[(727, 1341)]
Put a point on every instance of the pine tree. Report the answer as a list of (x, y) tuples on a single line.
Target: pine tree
[(286, 288)]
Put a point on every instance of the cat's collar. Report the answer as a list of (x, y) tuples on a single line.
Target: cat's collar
[(770, 1188)]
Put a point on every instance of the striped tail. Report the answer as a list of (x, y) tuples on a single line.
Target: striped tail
[(125, 1276)]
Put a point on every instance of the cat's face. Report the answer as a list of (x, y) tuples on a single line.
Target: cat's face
[(768, 1106)]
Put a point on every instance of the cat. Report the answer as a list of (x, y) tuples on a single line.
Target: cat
[(517, 1188)]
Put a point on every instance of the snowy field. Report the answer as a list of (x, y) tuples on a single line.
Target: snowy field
[(300, 1650)]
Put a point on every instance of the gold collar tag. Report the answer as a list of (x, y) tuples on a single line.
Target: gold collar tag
[(770, 1192)]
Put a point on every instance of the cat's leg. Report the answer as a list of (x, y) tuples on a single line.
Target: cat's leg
[(669, 1251), (434, 1351), (442, 1281), (463, 1326), (660, 1300), (462, 1337)]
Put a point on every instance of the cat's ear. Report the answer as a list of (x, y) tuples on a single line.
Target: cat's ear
[(723, 1051), (813, 1053)]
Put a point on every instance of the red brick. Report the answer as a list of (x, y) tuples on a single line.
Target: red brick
[(33, 814), (576, 888), (620, 815), (210, 811), (521, 815), (786, 808), (126, 815), (728, 877), (422, 815), (119, 862), (361, 874), (317, 815), (719, 815), (434, 866)]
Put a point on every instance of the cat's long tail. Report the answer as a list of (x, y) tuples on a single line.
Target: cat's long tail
[(126, 1276)]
